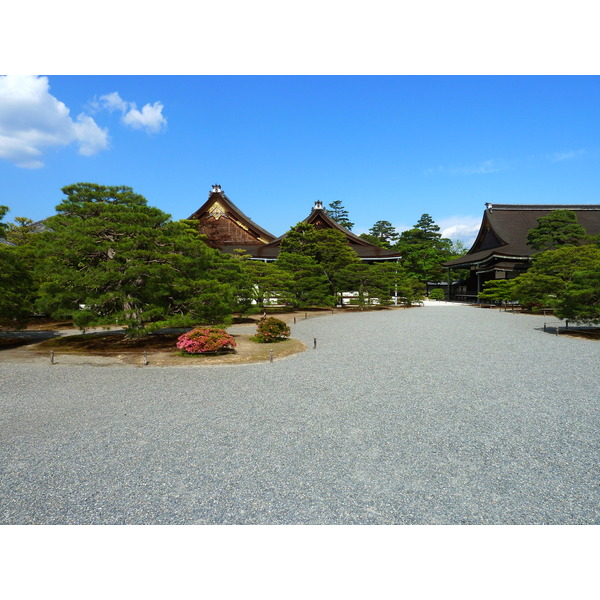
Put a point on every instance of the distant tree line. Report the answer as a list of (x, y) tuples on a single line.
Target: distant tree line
[(422, 247)]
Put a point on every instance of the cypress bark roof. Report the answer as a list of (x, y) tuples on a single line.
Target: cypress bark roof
[(236, 227), (229, 228), (504, 229)]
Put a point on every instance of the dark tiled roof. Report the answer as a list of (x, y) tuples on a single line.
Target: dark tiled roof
[(504, 230)]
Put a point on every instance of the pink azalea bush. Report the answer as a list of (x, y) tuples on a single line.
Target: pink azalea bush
[(205, 339), (271, 330)]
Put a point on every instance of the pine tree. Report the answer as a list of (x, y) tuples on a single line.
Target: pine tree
[(268, 282), (558, 228), (580, 302), (385, 233), (380, 283), (107, 256), (553, 274), (21, 231), (16, 283), (424, 250), (329, 248), (429, 230), (339, 214), (16, 289), (24, 234), (498, 290), (308, 286), (3, 226)]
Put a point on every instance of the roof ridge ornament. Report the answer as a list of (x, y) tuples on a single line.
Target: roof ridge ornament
[(318, 205), (488, 205), (216, 188)]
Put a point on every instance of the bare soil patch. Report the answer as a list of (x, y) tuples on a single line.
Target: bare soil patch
[(109, 343), (246, 352)]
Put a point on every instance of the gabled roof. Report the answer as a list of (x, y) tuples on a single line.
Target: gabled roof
[(218, 206), (319, 218), (504, 229)]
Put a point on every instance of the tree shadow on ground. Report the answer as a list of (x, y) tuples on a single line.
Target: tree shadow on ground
[(589, 333), (14, 339)]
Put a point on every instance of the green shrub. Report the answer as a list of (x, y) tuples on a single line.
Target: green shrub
[(271, 330), (437, 294), (204, 340)]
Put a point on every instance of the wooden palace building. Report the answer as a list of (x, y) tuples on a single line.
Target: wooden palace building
[(500, 250), (228, 229)]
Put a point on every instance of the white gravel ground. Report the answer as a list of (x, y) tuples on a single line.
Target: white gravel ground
[(438, 415)]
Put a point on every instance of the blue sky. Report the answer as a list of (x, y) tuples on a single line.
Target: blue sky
[(388, 147)]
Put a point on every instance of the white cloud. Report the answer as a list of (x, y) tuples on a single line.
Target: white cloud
[(486, 167), (112, 102), (569, 155), (150, 118), (91, 137), (495, 166), (464, 229), (20, 152), (32, 120)]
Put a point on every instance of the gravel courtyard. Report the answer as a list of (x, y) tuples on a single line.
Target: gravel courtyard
[(438, 415)]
